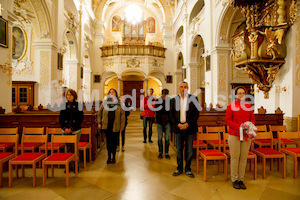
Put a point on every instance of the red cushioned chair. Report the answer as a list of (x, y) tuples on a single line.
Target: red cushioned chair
[(266, 153), (250, 156), (7, 131), (284, 141), (262, 142), (57, 146), (292, 151), (31, 146), (28, 158), (201, 144), (61, 158), (6, 156), (210, 154), (216, 129), (83, 146)]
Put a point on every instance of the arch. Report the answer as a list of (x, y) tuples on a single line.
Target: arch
[(196, 10), (159, 75), (133, 70), (71, 43), (179, 33), (197, 47), (180, 60)]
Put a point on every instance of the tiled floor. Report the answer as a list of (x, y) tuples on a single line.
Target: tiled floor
[(138, 174)]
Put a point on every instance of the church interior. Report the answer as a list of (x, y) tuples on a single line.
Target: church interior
[(91, 46)]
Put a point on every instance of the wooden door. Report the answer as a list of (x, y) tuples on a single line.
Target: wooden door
[(128, 86)]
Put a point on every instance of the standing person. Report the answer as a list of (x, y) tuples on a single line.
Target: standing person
[(111, 118), (237, 113), (148, 114), (184, 115), (163, 123), (127, 113), (70, 121)]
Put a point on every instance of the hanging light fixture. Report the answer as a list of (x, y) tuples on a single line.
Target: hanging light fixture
[(133, 14)]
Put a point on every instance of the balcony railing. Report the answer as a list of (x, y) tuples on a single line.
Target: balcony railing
[(133, 50)]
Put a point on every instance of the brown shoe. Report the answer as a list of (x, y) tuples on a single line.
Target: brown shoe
[(167, 156), (236, 184), (160, 156), (242, 185)]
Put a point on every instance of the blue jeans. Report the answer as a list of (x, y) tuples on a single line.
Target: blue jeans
[(181, 138), (145, 120), (160, 131)]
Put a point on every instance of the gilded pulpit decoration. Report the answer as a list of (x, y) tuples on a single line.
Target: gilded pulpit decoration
[(259, 45), (133, 63)]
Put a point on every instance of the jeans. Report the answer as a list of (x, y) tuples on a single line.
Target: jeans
[(181, 138), (70, 147), (145, 120), (160, 131)]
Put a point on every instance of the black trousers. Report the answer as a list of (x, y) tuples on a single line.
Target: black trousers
[(111, 142)]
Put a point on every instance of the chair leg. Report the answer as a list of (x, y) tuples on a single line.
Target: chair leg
[(264, 168), (90, 152), (76, 168), (250, 163), (255, 168), (34, 173), (283, 167), (1, 172), (204, 169), (10, 175), (67, 174), (295, 167), (225, 168), (197, 162), (44, 174), (84, 158)]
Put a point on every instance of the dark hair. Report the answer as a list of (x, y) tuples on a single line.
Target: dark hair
[(239, 87), (113, 90), (165, 91), (73, 93)]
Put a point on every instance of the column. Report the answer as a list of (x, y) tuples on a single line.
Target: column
[(146, 86), (46, 73), (119, 86)]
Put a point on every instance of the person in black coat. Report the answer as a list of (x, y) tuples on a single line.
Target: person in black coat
[(163, 123), (127, 113), (184, 112), (70, 120)]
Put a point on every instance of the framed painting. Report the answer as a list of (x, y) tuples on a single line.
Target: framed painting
[(208, 63), (3, 33), (60, 58), (169, 79), (96, 78), (18, 43)]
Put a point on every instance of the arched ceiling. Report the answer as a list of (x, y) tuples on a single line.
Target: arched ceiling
[(165, 6)]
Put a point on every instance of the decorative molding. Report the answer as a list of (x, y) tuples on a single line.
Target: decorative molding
[(133, 63), (19, 66)]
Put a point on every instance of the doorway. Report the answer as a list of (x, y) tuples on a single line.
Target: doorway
[(128, 86)]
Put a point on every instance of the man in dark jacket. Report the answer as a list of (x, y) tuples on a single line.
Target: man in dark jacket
[(163, 122), (184, 114)]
